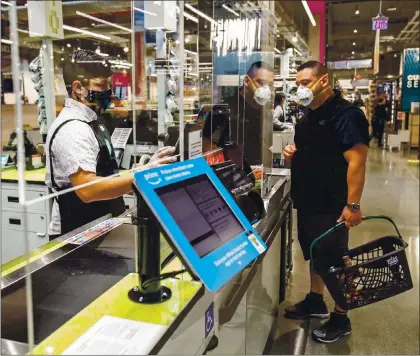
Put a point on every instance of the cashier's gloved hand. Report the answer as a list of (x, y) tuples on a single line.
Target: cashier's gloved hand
[(162, 156)]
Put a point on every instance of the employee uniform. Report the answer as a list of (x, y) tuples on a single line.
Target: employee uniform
[(78, 140), (319, 174)]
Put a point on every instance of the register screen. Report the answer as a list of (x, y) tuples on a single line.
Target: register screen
[(201, 213)]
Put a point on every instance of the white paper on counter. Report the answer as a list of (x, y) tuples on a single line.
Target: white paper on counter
[(117, 336)]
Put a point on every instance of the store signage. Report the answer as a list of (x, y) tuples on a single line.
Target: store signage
[(209, 320), (45, 19), (379, 23), (411, 79)]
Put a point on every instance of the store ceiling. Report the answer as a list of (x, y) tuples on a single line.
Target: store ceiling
[(342, 21)]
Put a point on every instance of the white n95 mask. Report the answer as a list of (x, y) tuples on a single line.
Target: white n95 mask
[(305, 96), (262, 95)]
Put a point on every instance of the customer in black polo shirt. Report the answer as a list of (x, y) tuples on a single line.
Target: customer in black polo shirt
[(328, 174)]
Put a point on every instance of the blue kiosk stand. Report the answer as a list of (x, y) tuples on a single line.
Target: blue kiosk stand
[(200, 219)]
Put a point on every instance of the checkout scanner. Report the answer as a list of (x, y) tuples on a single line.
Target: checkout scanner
[(210, 234)]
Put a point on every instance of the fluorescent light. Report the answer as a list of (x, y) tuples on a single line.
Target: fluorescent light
[(230, 10), (300, 54), (308, 11), (6, 3), (6, 41), (205, 63), (144, 11), (277, 50), (392, 9), (191, 52), (103, 21), (103, 54), (203, 15), (190, 17), (93, 34)]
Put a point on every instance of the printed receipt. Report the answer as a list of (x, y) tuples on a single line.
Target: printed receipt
[(117, 336)]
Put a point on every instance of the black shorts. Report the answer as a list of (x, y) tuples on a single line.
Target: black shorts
[(329, 250)]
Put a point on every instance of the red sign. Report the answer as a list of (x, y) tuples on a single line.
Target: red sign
[(379, 23)]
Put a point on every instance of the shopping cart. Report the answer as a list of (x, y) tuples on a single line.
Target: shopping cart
[(373, 272)]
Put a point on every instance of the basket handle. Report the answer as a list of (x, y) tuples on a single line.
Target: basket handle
[(342, 224)]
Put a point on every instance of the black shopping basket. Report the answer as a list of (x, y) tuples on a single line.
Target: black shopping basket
[(375, 271)]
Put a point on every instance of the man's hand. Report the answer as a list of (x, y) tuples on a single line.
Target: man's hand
[(289, 152), (162, 156), (351, 218)]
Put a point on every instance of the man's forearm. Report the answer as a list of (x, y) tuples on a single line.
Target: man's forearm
[(107, 189), (355, 181)]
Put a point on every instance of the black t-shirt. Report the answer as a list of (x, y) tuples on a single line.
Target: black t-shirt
[(351, 127), (319, 169)]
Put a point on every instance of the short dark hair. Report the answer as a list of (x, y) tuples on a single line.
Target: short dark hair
[(258, 65), (318, 67), (84, 65)]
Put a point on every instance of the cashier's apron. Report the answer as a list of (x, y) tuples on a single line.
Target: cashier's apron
[(73, 211)]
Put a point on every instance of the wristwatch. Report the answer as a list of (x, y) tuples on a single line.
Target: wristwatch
[(354, 207)]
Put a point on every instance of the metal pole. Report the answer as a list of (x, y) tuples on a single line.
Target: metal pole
[(133, 109), (181, 79), (21, 164), (161, 81), (48, 79)]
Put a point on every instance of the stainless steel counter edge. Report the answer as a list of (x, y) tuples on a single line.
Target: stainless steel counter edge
[(20, 273)]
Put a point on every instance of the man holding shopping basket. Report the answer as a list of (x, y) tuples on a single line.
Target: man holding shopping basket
[(328, 161)]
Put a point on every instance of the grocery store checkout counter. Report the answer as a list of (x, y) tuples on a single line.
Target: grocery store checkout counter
[(90, 287)]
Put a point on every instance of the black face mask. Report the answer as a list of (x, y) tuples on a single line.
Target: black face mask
[(101, 98)]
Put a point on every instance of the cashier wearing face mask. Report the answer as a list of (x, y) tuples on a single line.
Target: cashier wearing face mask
[(328, 174), (79, 148)]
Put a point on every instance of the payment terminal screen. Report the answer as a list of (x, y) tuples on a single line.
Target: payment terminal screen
[(201, 213)]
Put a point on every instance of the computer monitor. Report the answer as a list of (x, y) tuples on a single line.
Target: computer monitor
[(200, 219)]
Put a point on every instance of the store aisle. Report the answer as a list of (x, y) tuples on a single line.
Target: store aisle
[(388, 327)]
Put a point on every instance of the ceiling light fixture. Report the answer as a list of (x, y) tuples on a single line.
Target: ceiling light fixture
[(144, 11), (357, 12), (6, 41), (202, 14), (103, 21), (294, 38), (190, 17), (355, 30), (392, 9), (68, 45), (300, 54), (395, 55), (191, 52), (277, 50), (78, 48), (230, 10), (354, 43), (352, 52), (125, 49), (103, 54), (6, 3), (308, 11), (93, 34)]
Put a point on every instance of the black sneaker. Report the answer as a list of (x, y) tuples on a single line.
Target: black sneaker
[(310, 307), (333, 329)]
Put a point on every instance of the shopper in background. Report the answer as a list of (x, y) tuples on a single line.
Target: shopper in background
[(358, 101), (279, 114), (79, 148), (328, 174), (380, 116)]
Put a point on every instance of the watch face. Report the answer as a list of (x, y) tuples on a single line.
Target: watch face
[(354, 207)]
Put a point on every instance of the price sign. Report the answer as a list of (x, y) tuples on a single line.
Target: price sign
[(379, 23)]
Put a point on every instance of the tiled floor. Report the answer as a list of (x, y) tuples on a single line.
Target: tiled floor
[(390, 327)]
